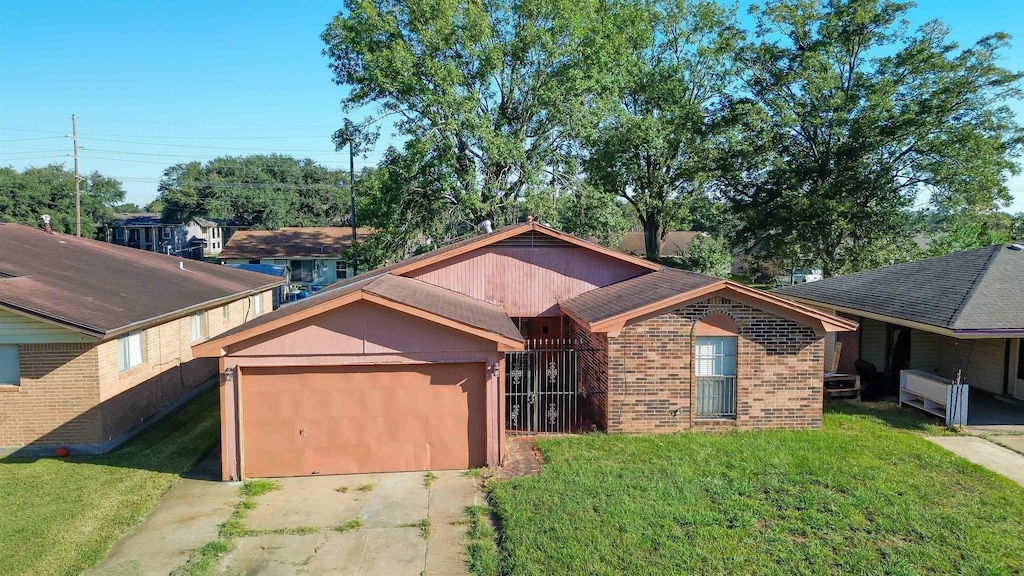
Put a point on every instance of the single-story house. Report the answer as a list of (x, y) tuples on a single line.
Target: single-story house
[(314, 255), (424, 364), (961, 313), (195, 239), (96, 339)]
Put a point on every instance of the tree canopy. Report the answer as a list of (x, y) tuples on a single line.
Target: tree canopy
[(849, 117), (262, 191), (28, 194)]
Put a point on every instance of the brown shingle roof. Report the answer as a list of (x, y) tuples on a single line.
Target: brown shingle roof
[(628, 295), (101, 288), (415, 293), (312, 242)]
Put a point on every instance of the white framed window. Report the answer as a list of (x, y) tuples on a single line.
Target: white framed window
[(225, 312), (198, 323), (129, 350), (715, 370), (341, 270), (10, 365), (167, 233), (256, 305)]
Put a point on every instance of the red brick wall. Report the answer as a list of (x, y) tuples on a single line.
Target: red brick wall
[(779, 369), (56, 402)]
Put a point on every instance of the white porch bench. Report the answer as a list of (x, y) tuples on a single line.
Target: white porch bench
[(935, 395)]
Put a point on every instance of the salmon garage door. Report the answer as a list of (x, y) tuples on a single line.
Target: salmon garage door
[(343, 420)]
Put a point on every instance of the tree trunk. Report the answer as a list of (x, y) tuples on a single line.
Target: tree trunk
[(652, 237)]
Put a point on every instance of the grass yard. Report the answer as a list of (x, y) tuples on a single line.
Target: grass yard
[(61, 516), (865, 495)]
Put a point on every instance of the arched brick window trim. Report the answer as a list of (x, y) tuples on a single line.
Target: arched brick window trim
[(716, 323)]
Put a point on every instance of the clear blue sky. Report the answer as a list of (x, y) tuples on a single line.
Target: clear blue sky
[(154, 84)]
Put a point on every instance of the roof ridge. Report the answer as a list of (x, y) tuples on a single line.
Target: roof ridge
[(993, 250)]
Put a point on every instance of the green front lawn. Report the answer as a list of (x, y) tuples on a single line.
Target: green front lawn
[(61, 516), (865, 495)]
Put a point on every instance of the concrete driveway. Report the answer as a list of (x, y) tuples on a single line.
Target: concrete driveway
[(293, 530)]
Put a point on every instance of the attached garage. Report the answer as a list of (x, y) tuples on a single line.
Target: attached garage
[(383, 375), (340, 420)]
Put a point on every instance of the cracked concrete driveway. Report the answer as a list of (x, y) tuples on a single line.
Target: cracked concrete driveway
[(292, 530)]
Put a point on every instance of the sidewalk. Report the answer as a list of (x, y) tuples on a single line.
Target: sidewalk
[(988, 454)]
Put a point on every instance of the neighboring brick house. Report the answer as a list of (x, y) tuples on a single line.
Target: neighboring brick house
[(424, 364), (313, 256), (95, 339)]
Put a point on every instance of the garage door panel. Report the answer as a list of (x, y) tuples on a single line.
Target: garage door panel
[(299, 421)]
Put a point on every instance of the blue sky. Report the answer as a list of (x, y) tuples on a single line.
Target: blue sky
[(154, 84)]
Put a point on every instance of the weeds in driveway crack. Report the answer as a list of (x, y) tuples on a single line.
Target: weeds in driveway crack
[(354, 524), (424, 526), (341, 489), (365, 488), (428, 479)]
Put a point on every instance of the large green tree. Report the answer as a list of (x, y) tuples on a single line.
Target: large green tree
[(653, 148), (262, 191), (851, 117), (487, 93), (28, 194)]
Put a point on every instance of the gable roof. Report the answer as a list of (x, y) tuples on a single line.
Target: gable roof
[(404, 294), (974, 291), (608, 309), (154, 219), (292, 242), (102, 289), (673, 243), (525, 229)]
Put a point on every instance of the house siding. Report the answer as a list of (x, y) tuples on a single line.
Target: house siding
[(76, 394), (872, 342), (20, 329), (527, 281), (779, 368)]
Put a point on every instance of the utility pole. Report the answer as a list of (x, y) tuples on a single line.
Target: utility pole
[(78, 196), (352, 195)]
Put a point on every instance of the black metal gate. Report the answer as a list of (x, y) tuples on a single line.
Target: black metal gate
[(542, 387)]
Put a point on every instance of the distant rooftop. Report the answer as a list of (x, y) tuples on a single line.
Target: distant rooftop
[(311, 242)]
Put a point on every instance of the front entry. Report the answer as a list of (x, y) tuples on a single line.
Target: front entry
[(300, 421), (897, 356)]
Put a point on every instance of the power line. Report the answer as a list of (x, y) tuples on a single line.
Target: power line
[(27, 139)]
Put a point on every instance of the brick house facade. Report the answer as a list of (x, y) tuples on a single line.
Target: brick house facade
[(76, 395), (650, 376)]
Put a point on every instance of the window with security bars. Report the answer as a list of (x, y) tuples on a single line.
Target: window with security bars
[(716, 376)]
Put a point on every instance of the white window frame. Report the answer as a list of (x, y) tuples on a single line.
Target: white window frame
[(10, 365), (197, 325), (225, 312), (256, 305), (167, 232), (715, 364), (128, 355), (340, 270)]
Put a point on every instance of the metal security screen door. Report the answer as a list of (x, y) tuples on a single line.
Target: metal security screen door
[(541, 387), (716, 376)]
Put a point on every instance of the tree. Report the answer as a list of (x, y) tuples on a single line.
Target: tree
[(27, 195), (262, 191), (850, 117), (126, 208), (487, 93), (707, 255), (653, 148), (968, 230)]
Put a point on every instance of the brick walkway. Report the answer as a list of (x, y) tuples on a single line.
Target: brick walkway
[(521, 457)]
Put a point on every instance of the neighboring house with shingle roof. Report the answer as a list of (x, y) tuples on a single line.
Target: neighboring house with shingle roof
[(963, 312), (314, 256), (195, 239), (425, 363), (95, 338)]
